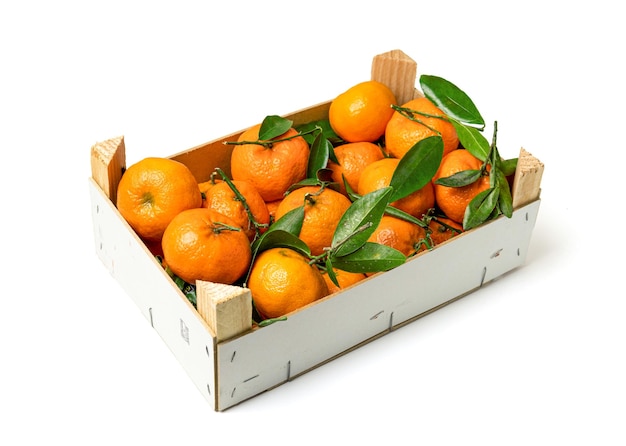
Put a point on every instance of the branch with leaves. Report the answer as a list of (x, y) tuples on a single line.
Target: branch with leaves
[(350, 249)]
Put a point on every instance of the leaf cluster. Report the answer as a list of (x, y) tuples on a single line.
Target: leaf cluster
[(469, 125)]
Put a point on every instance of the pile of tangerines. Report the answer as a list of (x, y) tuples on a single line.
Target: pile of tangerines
[(308, 211)]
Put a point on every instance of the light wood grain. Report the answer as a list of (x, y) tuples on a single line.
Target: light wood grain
[(527, 181), (227, 309), (398, 71), (108, 161)]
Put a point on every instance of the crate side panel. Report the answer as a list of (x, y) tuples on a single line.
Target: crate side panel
[(309, 114), (271, 355), (158, 299), (464, 263), (513, 243), (203, 159)]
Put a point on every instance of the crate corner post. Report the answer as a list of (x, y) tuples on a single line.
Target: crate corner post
[(527, 180), (108, 162), (227, 309), (398, 71)]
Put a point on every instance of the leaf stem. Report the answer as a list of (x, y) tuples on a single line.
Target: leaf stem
[(218, 227), (410, 114), (310, 197), (328, 252), (268, 144), (266, 322), (251, 219)]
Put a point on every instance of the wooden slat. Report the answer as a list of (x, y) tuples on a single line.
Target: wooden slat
[(227, 309), (108, 161), (203, 159), (527, 181), (398, 71)]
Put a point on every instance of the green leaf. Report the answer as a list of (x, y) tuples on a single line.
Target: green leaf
[(453, 101), (480, 208), (330, 270), (190, 294), (303, 183), (359, 221), (460, 179), (279, 238), (282, 233), (291, 223), (270, 321), (370, 258), (352, 195), (508, 166), (320, 153), (473, 140), (505, 200), (395, 212), (324, 125), (273, 126), (417, 167), (187, 289)]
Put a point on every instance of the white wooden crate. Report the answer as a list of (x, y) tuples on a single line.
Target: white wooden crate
[(230, 369)]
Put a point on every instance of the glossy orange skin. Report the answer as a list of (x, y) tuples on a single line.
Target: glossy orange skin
[(152, 192), (378, 174), (454, 200), (282, 281), (322, 212), (361, 113), (272, 170), (222, 198), (202, 244), (403, 133)]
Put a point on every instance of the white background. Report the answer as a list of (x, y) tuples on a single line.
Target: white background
[(536, 357)]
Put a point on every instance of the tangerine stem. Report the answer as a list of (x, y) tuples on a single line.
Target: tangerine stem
[(427, 242), (410, 114), (309, 197), (218, 227), (445, 225), (493, 152), (270, 143), (328, 251), (242, 199)]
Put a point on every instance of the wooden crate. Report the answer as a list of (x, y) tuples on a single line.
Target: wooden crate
[(231, 361)]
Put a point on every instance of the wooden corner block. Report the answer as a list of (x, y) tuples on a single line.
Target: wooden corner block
[(398, 71), (527, 181), (226, 308), (108, 161)]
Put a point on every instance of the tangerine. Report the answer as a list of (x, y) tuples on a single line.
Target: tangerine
[(204, 186), (443, 229), (271, 207), (223, 199), (152, 192), (202, 244), (282, 280), (399, 234), (454, 200), (402, 132), (323, 208), (344, 278), (353, 158), (378, 174), (361, 113), (271, 167)]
